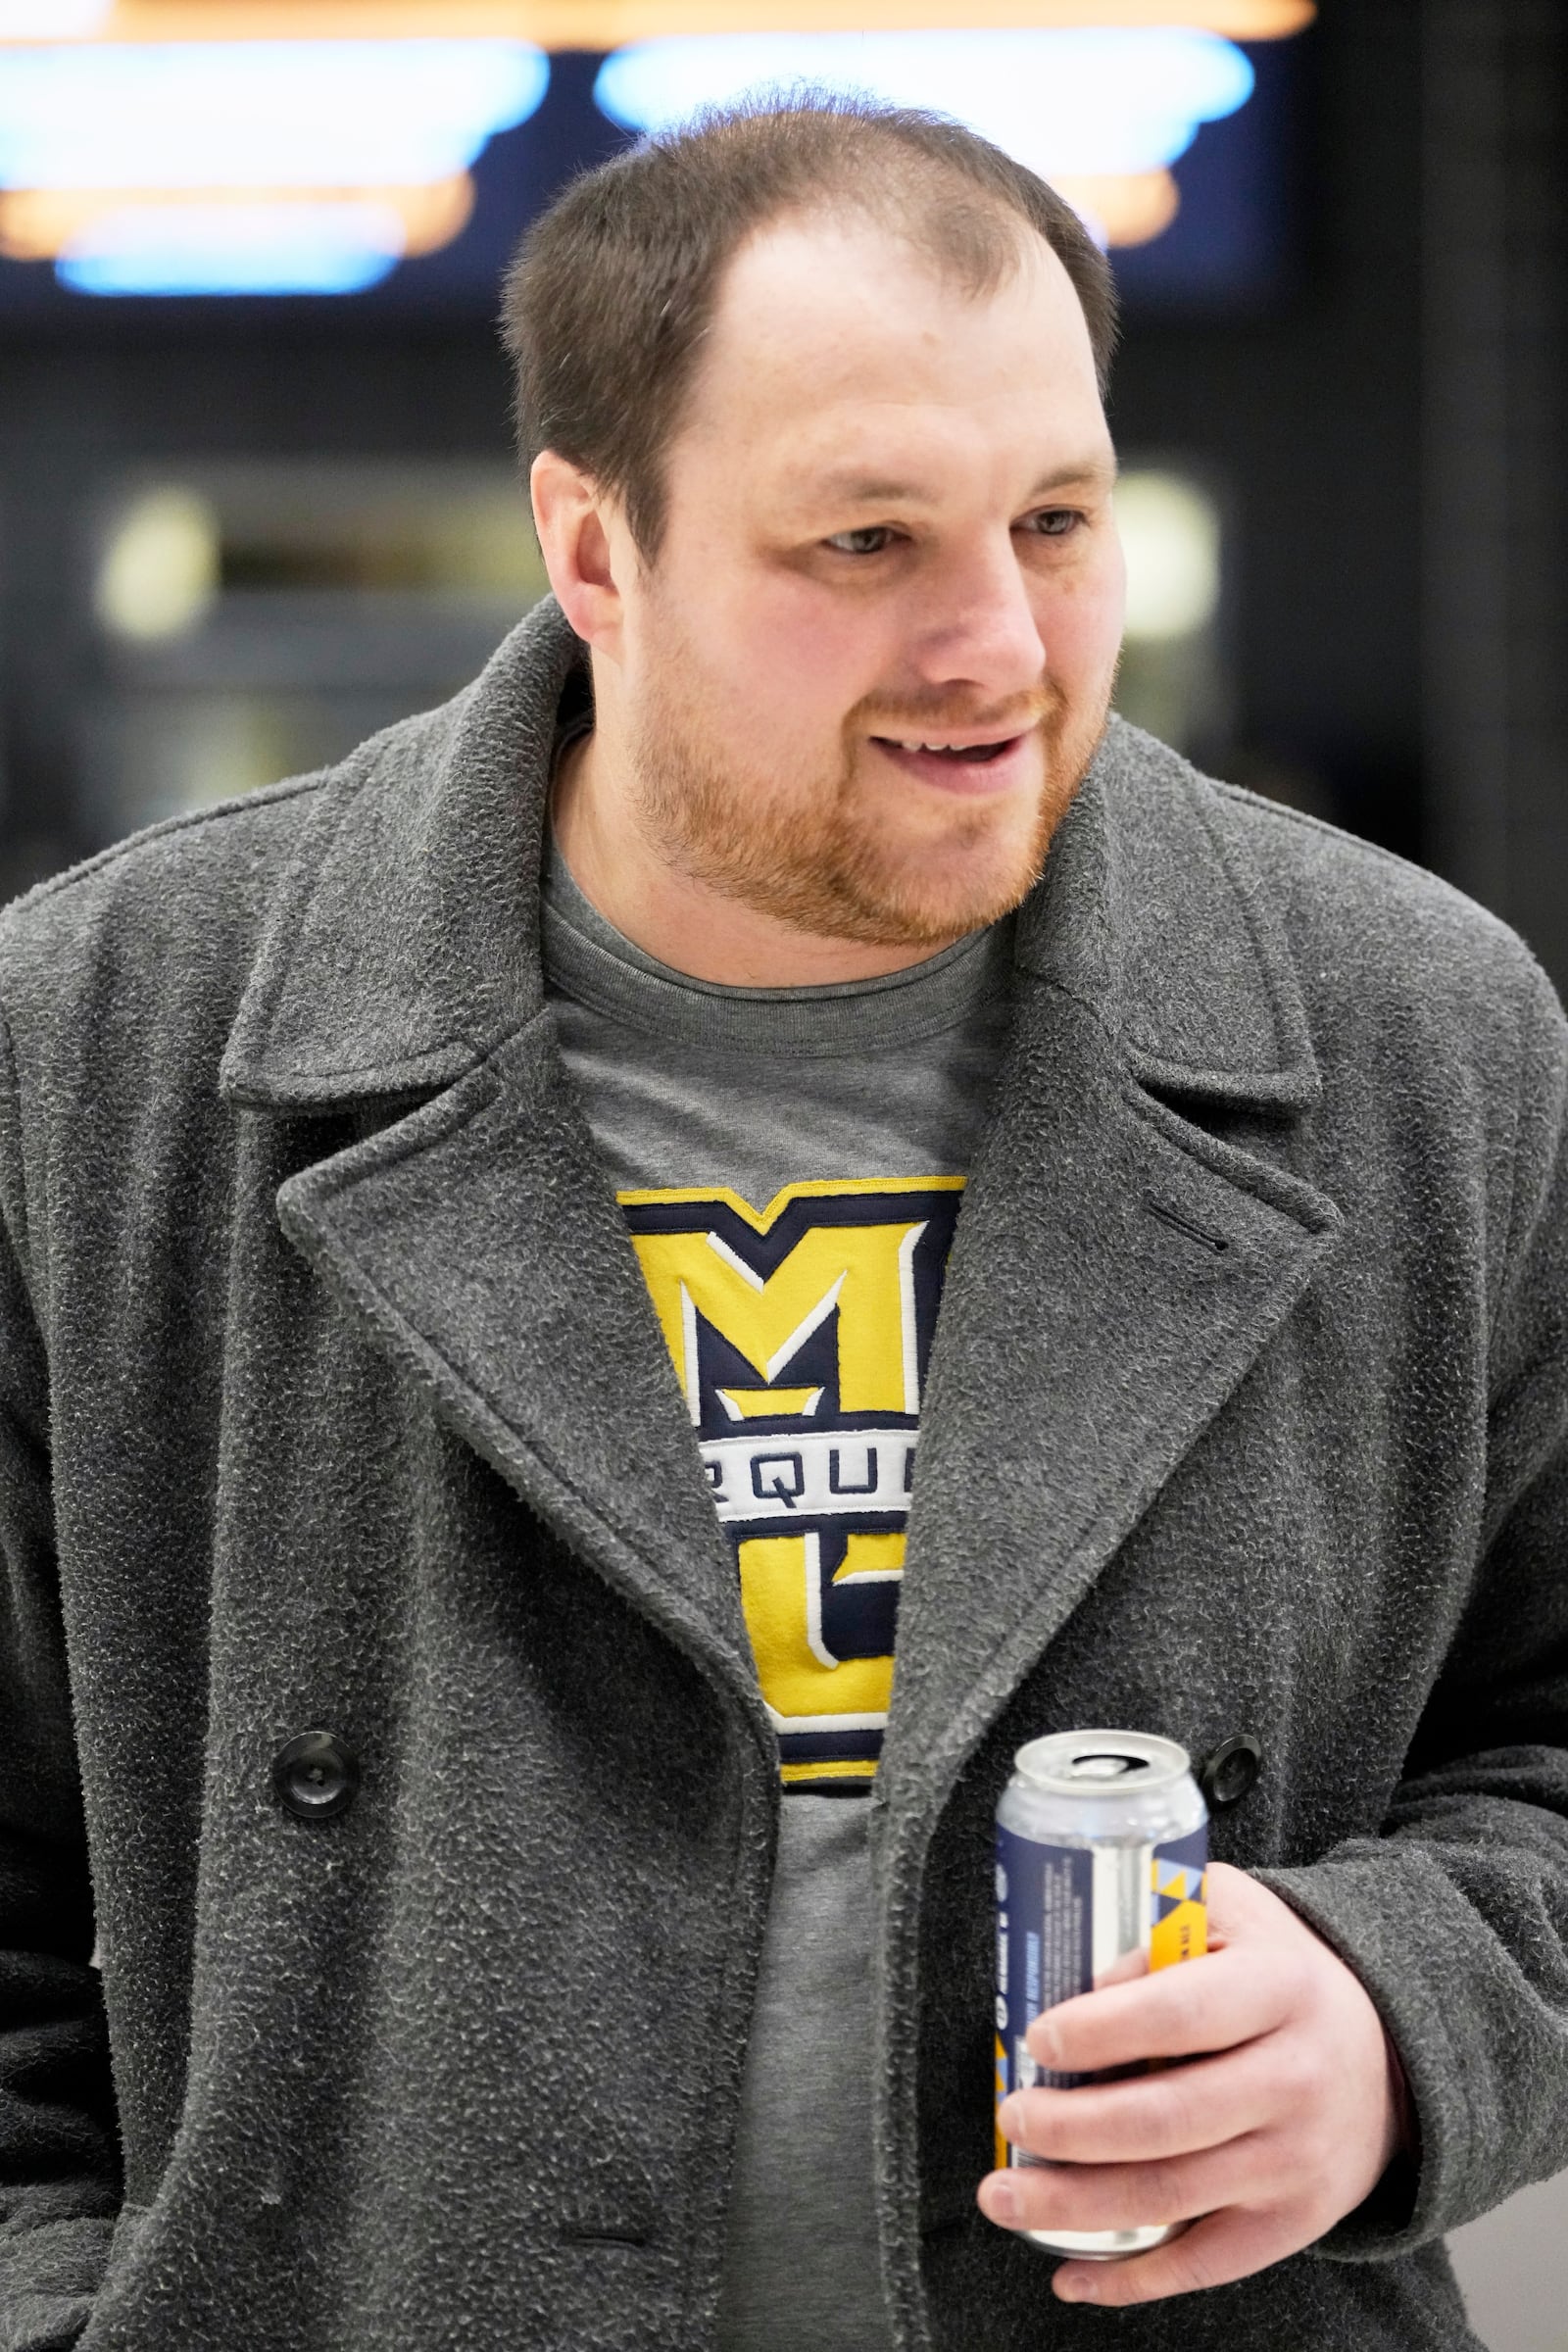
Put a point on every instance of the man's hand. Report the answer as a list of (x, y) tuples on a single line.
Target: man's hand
[(1279, 2128)]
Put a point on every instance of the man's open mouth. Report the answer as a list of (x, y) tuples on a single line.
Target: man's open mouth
[(973, 753)]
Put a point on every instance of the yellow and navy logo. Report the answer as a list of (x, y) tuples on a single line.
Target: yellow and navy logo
[(801, 1335), (1179, 1901)]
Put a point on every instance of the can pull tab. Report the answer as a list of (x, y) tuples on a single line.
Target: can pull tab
[(1098, 1767)]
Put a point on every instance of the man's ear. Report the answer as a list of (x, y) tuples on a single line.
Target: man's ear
[(575, 541)]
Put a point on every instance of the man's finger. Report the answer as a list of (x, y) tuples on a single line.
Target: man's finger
[(1119, 2196), (1226, 2245), (1207, 2004), (1123, 1969), (1169, 2113)]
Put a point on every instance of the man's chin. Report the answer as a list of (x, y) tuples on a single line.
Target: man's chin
[(924, 912), (946, 893), (979, 865)]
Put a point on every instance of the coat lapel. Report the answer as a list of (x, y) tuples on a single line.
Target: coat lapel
[(475, 1232), (480, 1240), (1117, 1269)]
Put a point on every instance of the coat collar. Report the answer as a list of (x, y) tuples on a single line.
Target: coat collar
[(403, 948)]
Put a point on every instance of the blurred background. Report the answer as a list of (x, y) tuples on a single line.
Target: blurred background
[(257, 495)]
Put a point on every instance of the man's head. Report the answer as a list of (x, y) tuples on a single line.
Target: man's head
[(813, 398)]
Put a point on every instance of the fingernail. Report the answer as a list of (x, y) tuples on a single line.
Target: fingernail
[(1009, 2117), (1002, 2198), (1073, 2287), (1044, 2046)]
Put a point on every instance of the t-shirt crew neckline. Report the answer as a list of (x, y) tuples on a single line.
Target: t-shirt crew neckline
[(587, 958)]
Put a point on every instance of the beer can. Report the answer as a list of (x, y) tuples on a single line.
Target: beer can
[(1102, 1849)]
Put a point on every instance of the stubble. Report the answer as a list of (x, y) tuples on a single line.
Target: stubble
[(818, 859)]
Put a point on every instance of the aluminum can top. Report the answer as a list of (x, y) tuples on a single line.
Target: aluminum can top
[(1109, 1763)]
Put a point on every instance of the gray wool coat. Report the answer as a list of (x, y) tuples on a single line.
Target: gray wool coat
[(331, 1399)]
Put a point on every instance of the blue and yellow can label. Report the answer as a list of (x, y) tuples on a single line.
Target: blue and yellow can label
[(1065, 1914)]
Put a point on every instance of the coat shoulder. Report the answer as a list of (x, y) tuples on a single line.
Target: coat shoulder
[(1331, 880), (178, 909), (175, 903), (1361, 923), (1410, 992), (1404, 969)]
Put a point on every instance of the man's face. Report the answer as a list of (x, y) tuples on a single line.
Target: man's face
[(888, 527)]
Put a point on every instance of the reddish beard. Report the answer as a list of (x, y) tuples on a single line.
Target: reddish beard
[(823, 865)]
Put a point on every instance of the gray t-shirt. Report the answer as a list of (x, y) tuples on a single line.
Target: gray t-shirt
[(791, 1163)]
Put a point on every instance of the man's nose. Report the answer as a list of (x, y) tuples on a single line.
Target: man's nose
[(979, 627)]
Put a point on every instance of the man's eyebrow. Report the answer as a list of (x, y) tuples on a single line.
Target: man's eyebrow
[(877, 490), (1085, 473)]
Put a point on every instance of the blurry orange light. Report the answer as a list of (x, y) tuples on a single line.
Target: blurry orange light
[(613, 23), (39, 225), (1130, 207)]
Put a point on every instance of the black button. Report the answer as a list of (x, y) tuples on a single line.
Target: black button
[(1231, 1772), (315, 1775)]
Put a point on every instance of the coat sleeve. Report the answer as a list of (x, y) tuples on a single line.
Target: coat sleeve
[(1456, 1918), (59, 2183)]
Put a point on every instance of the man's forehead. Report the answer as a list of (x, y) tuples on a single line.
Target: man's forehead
[(819, 264), (833, 340)]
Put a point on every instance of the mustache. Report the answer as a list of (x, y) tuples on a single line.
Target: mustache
[(931, 715)]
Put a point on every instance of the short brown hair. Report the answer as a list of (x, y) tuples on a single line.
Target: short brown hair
[(612, 288)]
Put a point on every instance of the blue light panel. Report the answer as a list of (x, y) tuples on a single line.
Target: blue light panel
[(247, 249), (1064, 101), (259, 114)]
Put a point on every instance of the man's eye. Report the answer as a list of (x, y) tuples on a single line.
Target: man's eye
[(869, 540), (1054, 523)]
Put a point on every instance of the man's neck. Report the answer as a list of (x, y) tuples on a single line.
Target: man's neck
[(682, 922)]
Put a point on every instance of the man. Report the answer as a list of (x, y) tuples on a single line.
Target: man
[(535, 1811)]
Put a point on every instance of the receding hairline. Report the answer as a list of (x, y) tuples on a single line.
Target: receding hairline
[(853, 481), (649, 228), (966, 236), (1011, 244)]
